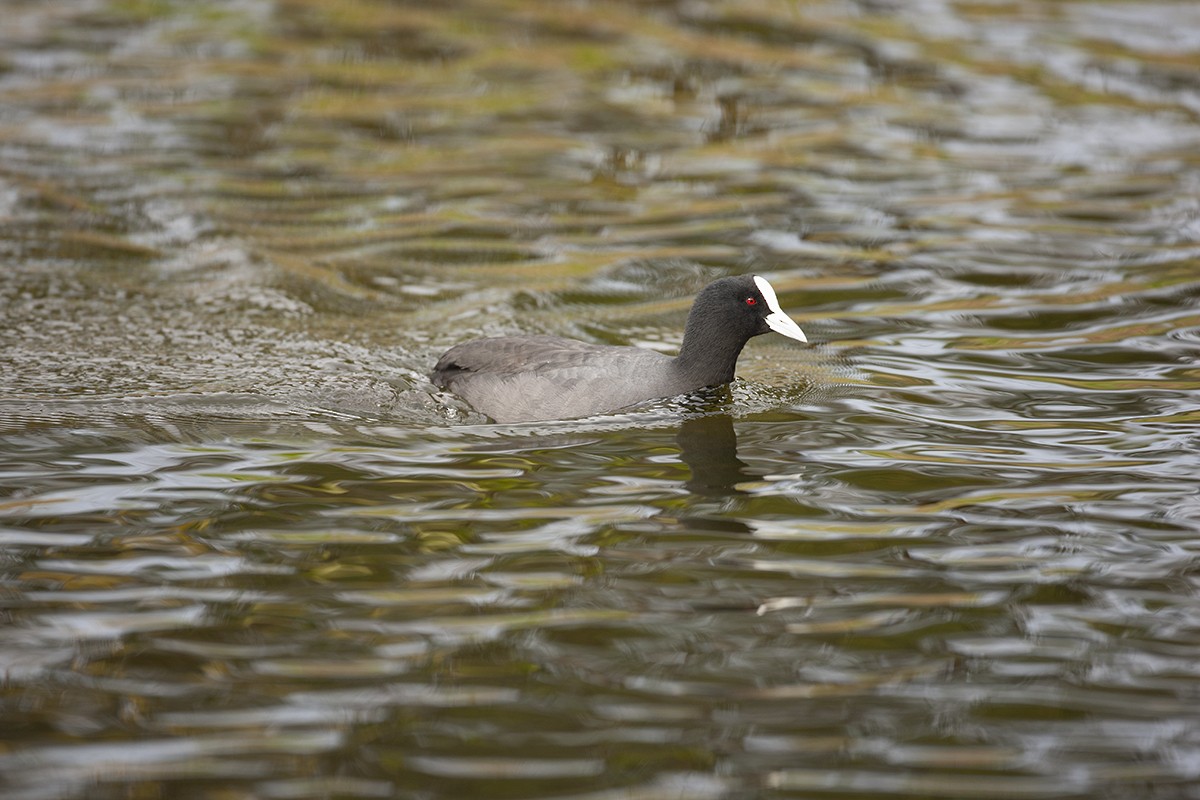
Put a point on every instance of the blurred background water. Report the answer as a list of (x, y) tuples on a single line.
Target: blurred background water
[(949, 551)]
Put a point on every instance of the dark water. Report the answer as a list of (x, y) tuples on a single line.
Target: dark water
[(952, 550)]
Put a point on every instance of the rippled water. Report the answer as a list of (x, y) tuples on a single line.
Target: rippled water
[(949, 551)]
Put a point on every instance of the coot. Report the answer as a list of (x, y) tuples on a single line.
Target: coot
[(532, 378)]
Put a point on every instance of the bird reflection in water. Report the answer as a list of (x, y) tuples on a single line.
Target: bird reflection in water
[(708, 446)]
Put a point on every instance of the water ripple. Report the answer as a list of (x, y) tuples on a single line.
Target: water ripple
[(247, 548)]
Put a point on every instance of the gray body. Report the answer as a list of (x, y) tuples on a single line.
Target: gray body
[(532, 378)]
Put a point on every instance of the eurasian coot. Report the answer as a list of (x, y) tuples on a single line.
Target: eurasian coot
[(532, 378)]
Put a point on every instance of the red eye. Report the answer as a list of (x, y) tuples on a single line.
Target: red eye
[(750, 301)]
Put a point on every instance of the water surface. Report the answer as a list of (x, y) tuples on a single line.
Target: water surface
[(948, 551)]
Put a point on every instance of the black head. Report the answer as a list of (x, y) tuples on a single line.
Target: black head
[(724, 317), (745, 306)]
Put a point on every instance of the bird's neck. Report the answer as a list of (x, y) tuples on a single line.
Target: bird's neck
[(707, 359)]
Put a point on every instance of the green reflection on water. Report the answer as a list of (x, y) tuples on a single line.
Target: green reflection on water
[(948, 551)]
